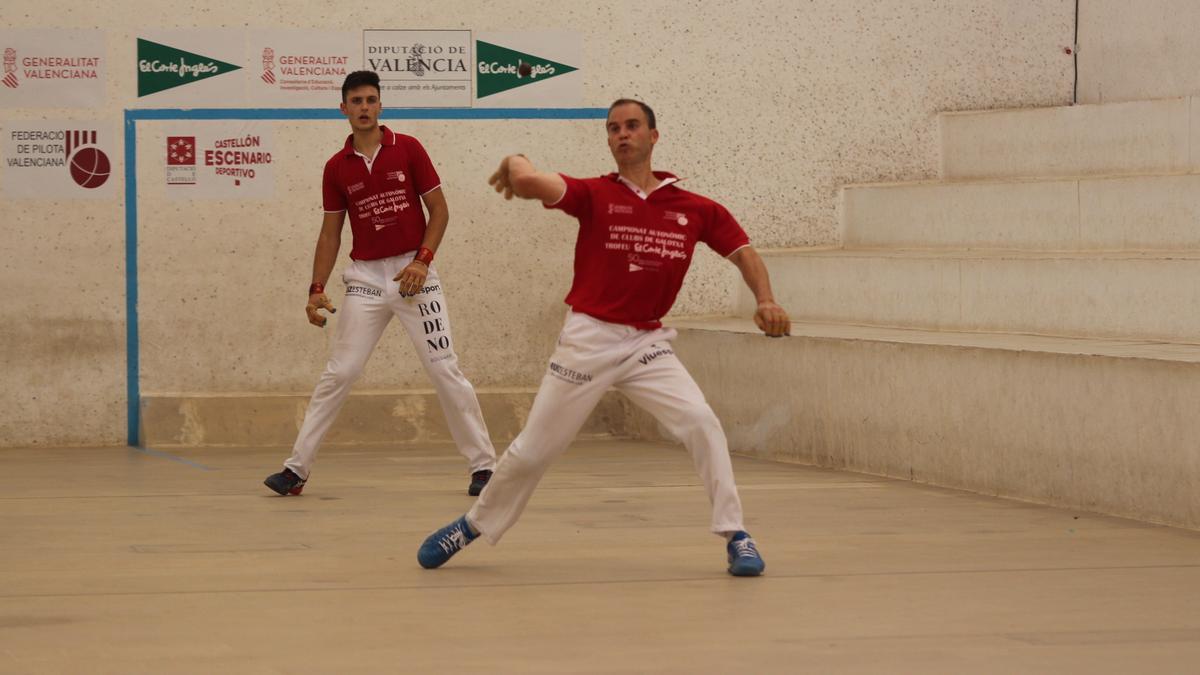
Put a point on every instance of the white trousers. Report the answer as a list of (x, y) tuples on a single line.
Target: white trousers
[(591, 356), (372, 298)]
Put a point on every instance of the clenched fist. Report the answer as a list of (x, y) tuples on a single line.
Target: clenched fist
[(772, 320)]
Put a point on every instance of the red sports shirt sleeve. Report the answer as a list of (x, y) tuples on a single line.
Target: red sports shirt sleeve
[(424, 176), (723, 234), (331, 192), (576, 200)]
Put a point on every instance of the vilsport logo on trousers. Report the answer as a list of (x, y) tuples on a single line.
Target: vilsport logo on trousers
[(650, 356)]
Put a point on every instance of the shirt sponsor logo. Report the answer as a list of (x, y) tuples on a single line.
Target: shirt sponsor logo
[(395, 175), (647, 241), (680, 218), (623, 209), (378, 209), (639, 264), (660, 249), (356, 187), (568, 375)]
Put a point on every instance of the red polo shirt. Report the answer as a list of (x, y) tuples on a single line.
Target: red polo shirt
[(632, 253), (383, 200)]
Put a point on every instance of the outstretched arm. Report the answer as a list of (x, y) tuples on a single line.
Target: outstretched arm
[(769, 317), (516, 176)]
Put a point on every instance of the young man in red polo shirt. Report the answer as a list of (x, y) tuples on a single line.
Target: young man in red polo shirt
[(637, 232), (377, 177)]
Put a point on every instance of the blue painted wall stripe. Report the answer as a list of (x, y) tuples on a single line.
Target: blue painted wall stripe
[(393, 114), (132, 350)]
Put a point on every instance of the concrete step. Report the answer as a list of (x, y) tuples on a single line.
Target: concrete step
[(392, 417), (1100, 425), (1148, 295), (1112, 138), (1109, 213)]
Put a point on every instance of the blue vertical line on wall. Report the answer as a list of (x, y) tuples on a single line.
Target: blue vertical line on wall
[(1075, 58), (133, 394), (132, 349)]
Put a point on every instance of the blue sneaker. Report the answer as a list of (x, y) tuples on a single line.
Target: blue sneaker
[(744, 559), (441, 545)]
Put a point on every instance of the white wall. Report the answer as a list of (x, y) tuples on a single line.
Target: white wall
[(1138, 49), (766, 106)]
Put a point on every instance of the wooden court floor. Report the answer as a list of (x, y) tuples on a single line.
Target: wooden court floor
[(120, 561)]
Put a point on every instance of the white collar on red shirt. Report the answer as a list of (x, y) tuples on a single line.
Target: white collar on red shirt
[(388, 138), (370, 160), (664, 179)]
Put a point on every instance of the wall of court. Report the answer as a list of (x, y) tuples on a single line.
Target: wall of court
[(766, 106), (1131, 50)]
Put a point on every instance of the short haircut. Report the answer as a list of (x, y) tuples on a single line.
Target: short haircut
[(360, 78), (645, 108)]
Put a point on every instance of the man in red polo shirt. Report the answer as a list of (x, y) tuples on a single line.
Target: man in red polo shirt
[(378, 177), (637, 233)]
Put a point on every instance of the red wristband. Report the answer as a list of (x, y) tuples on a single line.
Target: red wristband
[(316, 287), (424, 255)]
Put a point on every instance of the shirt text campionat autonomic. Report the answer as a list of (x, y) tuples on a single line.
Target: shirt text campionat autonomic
[(632, 253), (382, 200)]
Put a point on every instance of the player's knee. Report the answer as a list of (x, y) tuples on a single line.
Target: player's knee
[(523, 461), (345, 372), (698, 419)]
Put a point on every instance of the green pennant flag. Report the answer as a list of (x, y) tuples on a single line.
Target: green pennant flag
[(499, 69), (161, 67)]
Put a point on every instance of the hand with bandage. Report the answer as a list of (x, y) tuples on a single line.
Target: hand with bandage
[(317, 300)]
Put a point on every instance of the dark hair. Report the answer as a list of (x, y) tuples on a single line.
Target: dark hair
[(645, 108), (358, 79)]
